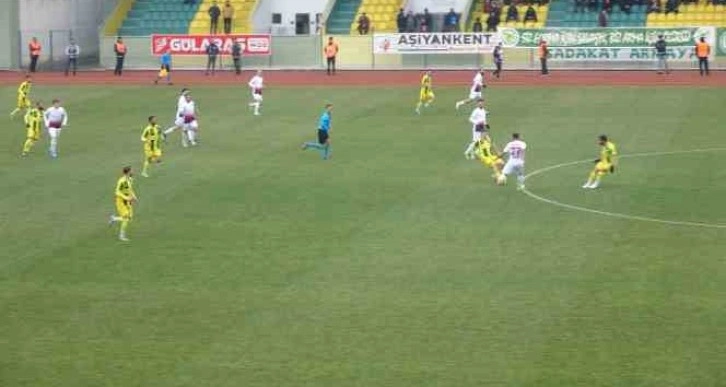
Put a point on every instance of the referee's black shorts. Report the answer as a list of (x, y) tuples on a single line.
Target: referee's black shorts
[(322, 136), (166, 67)]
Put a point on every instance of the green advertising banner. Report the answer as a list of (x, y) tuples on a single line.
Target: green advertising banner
[(605, 37), (721, 42)]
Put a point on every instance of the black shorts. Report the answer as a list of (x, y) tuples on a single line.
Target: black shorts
[(166, 67), (322, 136)]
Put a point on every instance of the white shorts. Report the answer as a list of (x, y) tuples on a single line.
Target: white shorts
[(190, 126), (475, 95), (178, 121), (476, 136), (54, 132), (513, 166), (256, 97)]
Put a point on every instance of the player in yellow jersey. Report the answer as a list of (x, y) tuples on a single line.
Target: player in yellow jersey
[(426, 95), (125, 198), (23, 94), (606, 163), (484, 153), (151, 137), (33, 120)]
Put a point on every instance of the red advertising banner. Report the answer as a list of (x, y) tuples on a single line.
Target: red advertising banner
[(252, 44)]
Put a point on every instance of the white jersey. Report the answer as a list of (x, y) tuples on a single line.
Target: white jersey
[(256, 84), (56, 117), (180, 104), (189, 110), (477, 84), (478, 117), (515, 149)]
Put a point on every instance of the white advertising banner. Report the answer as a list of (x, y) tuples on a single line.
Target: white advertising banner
[(435, 43)]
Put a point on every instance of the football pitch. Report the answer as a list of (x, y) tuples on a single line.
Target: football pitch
[(395, 263)]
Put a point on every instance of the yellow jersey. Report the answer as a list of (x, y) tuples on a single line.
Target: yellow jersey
[(33, 118), (151, 136), (484, 149), (24, 89), (125, 189), (426, 82), (608, 152)]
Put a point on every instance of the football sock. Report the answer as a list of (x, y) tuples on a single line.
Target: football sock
[(326, 151), (520, 180), (192, 135), (313, 145), (14, 112), (470, 148), (53, 145), (146, 166), (169, 130), (28, 145), (124, 226)]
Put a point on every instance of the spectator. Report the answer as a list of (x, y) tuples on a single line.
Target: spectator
[(671, 6), (228, 15), (602, 19), (34, 48), (477, 27), (592, 5), (625, 6), (451, 21), (410, 22), (512, 13), (423, 27), (428, 19), (580, 5), (214, 13), (72, 52), (212, 52), (120, 49), (607, 5), (530, 15), (364, 24), (189, 2), (401, 21), (492, 22), (654, 6)]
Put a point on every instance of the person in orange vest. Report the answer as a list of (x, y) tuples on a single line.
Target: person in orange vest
[(544, 53), (331, 51), (702, 50), (34, 49), (120, 49)]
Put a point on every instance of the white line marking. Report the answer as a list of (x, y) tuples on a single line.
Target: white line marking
[(615, 214)]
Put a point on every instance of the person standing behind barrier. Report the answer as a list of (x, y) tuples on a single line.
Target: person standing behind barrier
[(120, 49), (72, 52), (228, 14), (214, 13), (237, 57), (212, 52), (544, 53), (498, 55), (331, 51), (661, 55), (702, 50), (34, 48)]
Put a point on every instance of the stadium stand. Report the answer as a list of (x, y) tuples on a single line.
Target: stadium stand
[(382, 14), (147, 17), (342, 16), (563, 13), (481, 10), (689, 14), (241, 23)]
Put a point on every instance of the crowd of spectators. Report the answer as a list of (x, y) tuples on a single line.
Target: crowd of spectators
[(424, 21), (507, 11)]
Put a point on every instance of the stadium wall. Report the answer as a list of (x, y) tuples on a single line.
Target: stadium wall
[(262, 17), (9, 34)]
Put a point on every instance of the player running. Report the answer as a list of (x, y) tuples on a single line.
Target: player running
[(479, 126), (189, 116), (604, 164), (23, 96), (475, 93), (256, 84), (426, 95), (33, 121), (152, 147), (515, 162), (56, 118), (125, 198), (484, 153), (179, 119), (323, 143)]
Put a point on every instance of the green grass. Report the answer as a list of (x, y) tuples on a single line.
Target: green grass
[(396, 263)]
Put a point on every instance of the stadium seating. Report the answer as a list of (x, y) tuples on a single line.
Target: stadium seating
[(240, 24), (700, 14), (342, 16), (477, 11), (382, 14), (147, 17), (563, 14)]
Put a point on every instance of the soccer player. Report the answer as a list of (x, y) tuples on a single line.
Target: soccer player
[(125, 198), (23, 94), (515, 162), (152, 148), (475, 93), (33, 120), (56, 118), (487, 157), (256, 84), (189, 116), (604, 164), (479, 125), (323, 143), (179, 118), (426, 95)]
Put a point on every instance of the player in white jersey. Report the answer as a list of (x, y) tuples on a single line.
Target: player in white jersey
[(179, 119), (479, 126), (515, 149), (256, 85), (190, 125), (56, 118), (475, 93)]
